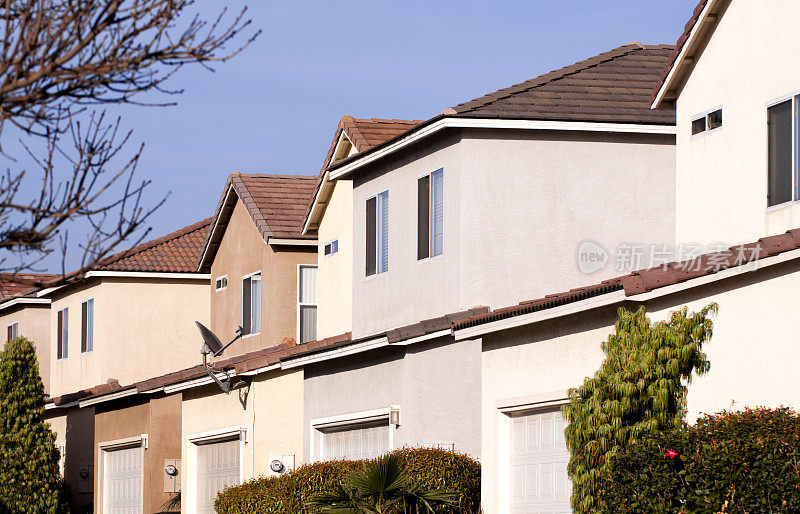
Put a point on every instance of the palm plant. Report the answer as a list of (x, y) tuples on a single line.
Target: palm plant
[(383, 486)]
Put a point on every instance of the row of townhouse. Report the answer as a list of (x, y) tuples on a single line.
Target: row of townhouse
[(445, 282)]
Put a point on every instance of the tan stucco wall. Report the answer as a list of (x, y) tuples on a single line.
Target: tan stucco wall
[(753, 355), (160, 419), (74, 429), (34, 324), (517, 204), (271, 409), (335, 279), (243, 251), (750, 61), (143, 328)]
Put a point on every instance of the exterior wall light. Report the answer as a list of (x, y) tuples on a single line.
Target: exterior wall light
[(394, 415)]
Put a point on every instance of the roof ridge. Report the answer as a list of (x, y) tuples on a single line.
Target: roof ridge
[(273, 175), (550, 76)]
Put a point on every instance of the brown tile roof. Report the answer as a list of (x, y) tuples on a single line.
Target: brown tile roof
[(10, 288), (276, 203), (646, 280), (176, 252), (683, 38), (612, 87)]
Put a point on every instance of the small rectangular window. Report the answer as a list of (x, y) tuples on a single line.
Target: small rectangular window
[(13, 331), (430, 215), (307, 303), (331, 247), (707, 122), (251, 304), (714, 119), (221, 283), (698, 125), (779, 120), (62, 342), (377, 237), (87, 326)]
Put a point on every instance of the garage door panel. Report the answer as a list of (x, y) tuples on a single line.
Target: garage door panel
[(217, 468), (123, 481), (539, 458)]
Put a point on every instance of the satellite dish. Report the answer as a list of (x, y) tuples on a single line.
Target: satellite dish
[(211, 341), (212, 345)]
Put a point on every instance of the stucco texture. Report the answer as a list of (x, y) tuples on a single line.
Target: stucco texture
[(435, 383), (750, 61), (74, 430), (242, 251), (34, 324), (517, 204), (271, 409), (335, 276)]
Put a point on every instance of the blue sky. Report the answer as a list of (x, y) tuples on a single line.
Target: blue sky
[(274, 108)]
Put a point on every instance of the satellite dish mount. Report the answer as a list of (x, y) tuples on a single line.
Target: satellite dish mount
[(212, 345)]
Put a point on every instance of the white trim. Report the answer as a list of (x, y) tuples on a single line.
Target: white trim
[(148, 274), (305, 304), (260, 303), (315, 203), (108, 397), (336, 353), (210, 437), (532, 403), (258, 371), (293, 242), (701, 19), (221, 277), (51, 406), (426, 337), (195, 382), (24, 301), (316, 425), (214, 226), (535, 317), (499, 124), (140, 440)]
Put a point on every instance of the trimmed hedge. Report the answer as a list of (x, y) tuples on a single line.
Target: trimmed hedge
[(430, 467), (745, 461)]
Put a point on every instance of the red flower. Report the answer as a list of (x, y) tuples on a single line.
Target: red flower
[(671, 454)]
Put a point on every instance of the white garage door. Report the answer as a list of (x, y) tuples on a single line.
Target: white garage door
[(539, 458), (363, 442), (123, 481), (217, 468)]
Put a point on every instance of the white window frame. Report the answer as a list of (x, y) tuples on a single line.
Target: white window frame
[(139, 441), (63, 334), (330, 242), (378, 234), (300, 304), (705, 114), (794, 97), (218, 289), (87, 324), (506, 409), (430, 215), (14, 326), (251, 304), (343, 421), (211, 437)]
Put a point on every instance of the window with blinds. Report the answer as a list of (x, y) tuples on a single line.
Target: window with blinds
[(430, 215), (783, 163), (251, 304), (13, 331), (87, 326), (61, 335), (307, 303), (377, 237)]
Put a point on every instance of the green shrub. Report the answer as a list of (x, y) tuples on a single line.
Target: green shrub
[(429, 467), (738, 462)]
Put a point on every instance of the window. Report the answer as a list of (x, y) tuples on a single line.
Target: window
[(782, 120), (430, 215), (707, 122), (377, 258), (251, 303), (13, 331), (331, 248), (221, 283), (62, 343), (87, 326), (307, 303)]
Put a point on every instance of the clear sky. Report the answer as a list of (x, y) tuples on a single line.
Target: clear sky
[(274, 108)]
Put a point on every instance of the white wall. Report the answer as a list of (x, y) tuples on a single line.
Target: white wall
[(335, 275), (517, 204), (750, 60)]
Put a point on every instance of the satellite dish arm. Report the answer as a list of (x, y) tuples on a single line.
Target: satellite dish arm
[(239, 334), (225, 386)]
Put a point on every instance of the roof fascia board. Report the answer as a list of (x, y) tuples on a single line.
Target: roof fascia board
[(148, 274), (315, 204), (214, 227), (292, 242), (428, 130), (595, 302), (426, 337), (682, 54), (24, 301), (108, 397), (53, 406), (335, 353)]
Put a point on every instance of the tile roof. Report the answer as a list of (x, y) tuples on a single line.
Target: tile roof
[(176, 252), (646, 280), (9, 287), (276, 203), (611, 87)]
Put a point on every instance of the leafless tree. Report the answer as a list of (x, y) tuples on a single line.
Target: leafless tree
[(59, 61)]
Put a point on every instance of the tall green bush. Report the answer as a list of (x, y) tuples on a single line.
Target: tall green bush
[(430, 468), (737, 462), (29, 477), (639, 389)]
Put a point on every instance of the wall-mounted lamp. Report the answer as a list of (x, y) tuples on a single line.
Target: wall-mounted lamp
[(394, 415)]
